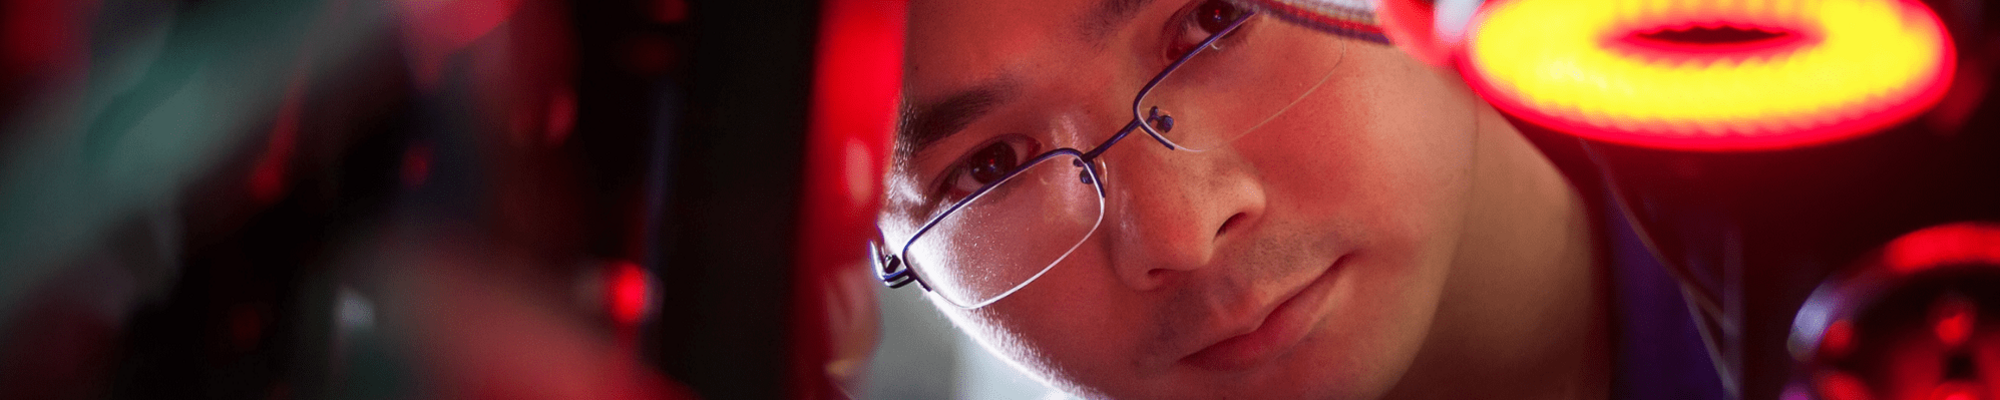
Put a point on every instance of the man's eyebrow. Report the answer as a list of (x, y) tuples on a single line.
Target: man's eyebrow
[(1108, 16), (922, 125)]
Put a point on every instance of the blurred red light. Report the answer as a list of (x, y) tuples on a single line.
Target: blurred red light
[(1838, 339), (267, 177), (1841, 386), (561, 116), (627, 293), (1952, 320), (44, 36), (857, 74), (1959, 243), (670, 11), (1955, 391), (433, 29)]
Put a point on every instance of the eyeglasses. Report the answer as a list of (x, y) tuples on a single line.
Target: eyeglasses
[(998, 238)]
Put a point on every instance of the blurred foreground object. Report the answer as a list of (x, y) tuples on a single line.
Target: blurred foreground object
[(1912, 320), (335, 199), (857, 79)]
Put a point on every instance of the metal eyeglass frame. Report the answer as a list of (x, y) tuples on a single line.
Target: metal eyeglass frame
[(893, 272)]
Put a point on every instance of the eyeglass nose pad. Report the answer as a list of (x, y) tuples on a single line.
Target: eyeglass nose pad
[(1162, 123), (1082, 175)]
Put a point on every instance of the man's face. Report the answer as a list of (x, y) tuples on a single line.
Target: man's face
[(1303, 260)]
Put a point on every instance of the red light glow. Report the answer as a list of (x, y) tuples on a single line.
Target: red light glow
[(1838, 339), (1956, 391), (856, 79), (44, 36), (433, 29), (1958, 243), (1410, 25), (267, 177), (627, 293), (1952, 320), (1841, 386), (1705, 75)]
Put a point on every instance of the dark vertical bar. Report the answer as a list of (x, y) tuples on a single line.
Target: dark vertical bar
[(733, 208)]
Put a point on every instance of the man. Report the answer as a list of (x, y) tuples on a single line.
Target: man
[(1285, 213)]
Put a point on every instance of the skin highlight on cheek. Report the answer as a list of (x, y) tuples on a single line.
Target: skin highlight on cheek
[(1007, 334)]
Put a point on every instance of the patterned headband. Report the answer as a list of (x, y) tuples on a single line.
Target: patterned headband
[(1351, 18)]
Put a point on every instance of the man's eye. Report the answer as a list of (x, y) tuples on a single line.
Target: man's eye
[(986, 165), (1202, 21)]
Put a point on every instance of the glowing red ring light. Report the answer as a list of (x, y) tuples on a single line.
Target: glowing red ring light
[(1958, 243), (1832, 70)]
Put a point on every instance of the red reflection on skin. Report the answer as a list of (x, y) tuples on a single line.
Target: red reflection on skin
[(1959, 243)]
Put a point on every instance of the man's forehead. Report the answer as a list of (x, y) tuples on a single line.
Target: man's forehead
[(1107, 15), (961, 38), (960, 50), (954, 42)]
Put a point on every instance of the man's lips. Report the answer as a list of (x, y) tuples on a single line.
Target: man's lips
[(1282, 327)]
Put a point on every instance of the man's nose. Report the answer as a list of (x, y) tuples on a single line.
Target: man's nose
[(1171, 212)]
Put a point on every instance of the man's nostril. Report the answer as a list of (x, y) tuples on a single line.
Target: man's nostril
[(1229, 224)]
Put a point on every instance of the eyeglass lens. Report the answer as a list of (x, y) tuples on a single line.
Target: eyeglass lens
[(1001, 240), (1240, 82), (1005, 237)]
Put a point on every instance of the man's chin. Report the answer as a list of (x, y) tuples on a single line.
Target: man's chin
[(1279, 381)]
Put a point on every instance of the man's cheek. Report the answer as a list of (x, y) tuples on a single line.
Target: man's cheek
[(1026, 347), (1063, 328)]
